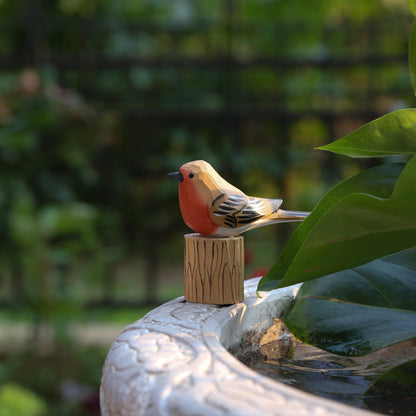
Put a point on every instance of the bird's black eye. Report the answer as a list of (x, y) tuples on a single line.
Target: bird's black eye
[(191, 175)]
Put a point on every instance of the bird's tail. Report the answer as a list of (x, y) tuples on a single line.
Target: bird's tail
[(284, 215)]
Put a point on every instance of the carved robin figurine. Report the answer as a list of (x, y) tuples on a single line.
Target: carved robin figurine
[(213, 207)]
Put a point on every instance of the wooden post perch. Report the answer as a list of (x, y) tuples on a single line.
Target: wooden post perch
[(214, 269)]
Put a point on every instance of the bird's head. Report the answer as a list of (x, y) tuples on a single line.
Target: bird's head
[(195, 171), (200, 175)]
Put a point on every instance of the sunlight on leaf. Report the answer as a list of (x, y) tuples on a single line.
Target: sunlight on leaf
[(364, 226), (392, 134), (378, 182)]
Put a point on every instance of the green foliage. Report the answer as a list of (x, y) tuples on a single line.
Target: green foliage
[(133, 89), (298, 261), (412, 6), (65, 379), (412, 56), (46, 228), (19, 401), (360, 310), (354, 299), (362, 225), (398, 382), (120, 92), (392, 134), (359, 221)]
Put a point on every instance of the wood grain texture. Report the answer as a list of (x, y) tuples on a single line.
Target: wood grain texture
[(214, 269)]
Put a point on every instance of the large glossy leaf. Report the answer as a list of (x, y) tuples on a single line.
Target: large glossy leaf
[(378, 182), (357, 311), (392, 134), (357, 229)]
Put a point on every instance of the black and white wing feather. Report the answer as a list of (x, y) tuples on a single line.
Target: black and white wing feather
[(239, 210)]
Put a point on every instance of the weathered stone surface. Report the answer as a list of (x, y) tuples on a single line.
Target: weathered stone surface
[(175, 362), (277, 342)]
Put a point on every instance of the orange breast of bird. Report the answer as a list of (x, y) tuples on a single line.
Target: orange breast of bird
[(194, 209)]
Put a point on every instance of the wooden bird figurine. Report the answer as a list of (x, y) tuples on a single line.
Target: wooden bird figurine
[(213, 207)]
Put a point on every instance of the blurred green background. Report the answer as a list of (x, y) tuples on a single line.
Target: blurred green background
[(99, 99)]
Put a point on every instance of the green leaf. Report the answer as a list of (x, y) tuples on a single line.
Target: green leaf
[(412, 56), (20, 401), (392, 134), (358, 311), (397, 382), (364, 226), (412, 6), (378, 182)]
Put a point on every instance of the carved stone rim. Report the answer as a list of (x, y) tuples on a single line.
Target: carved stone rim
[(175, 362)]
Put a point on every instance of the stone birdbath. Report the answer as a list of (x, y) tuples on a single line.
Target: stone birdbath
[(175, 361)]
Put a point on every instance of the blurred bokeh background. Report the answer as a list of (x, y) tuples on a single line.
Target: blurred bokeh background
[(99, 99)]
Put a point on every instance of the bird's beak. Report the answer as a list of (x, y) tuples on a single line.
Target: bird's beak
[(176, 175)]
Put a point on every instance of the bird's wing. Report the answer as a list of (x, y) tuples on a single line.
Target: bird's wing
[(235, 210)]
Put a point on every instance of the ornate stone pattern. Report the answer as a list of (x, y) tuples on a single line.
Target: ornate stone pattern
[(175, 362)]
